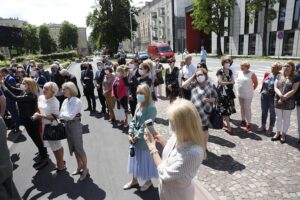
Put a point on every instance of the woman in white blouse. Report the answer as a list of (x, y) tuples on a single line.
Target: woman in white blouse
[(182, 155), (70, 113), (48, 106)]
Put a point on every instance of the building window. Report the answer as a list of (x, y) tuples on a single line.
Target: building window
[(272, 43), (296, 21), (226, 45), (246, 28), (241, 45), (281, 14), (256, 22), (251, 44), (288, 43)]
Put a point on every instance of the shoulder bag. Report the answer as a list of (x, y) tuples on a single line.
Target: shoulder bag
[(55, 132)]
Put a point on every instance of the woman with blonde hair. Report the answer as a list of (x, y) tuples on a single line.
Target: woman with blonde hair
[(48, 112), (71, 113), (140, 165), (27, 104), (182, 155), (246, 84)]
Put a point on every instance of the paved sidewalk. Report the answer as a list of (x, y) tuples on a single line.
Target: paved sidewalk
[(247, 165)]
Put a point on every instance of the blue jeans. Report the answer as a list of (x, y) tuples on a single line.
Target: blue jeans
[(267, 105)]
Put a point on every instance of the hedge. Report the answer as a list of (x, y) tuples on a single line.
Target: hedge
[(47, 57)]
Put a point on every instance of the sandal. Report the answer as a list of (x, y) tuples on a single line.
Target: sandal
[(129, 185)]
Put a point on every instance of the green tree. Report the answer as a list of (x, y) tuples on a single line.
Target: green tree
[(47, 44), (31, 39), (68, 36), (110, 22), (209, 16), (270, 14)]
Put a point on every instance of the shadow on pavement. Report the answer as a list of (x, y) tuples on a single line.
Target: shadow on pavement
[(150, 194), (15, 158), (223, 163), (221, 141), (45, 182), (16, 137), (292, 141)]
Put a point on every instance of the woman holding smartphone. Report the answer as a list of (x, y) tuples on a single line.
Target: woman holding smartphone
[(182, 155)]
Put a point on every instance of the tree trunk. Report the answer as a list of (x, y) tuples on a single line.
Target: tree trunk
[(219, 49), (265, 31)]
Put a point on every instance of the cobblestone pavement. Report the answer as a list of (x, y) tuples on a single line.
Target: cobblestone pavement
[(247, 165)]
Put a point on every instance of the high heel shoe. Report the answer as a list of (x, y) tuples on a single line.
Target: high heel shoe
[(84, 175), (276, 137), (78, 171), (282, 139)]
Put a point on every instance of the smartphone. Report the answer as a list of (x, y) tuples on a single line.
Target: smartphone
[(150, 126)]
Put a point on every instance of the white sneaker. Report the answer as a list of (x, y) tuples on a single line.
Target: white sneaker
[(146, 186)]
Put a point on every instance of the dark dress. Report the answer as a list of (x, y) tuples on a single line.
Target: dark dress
[(172, 79), (226, 94)]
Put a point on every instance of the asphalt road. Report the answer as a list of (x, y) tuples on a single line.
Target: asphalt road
[(107, 151)]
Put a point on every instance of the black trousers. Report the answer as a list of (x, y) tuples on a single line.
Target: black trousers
[(90, 97), (102, 99), (8, 190), (32, 128), (186, 94), (132, 104)]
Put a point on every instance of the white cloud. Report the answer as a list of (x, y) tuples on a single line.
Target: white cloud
[(38, 12)]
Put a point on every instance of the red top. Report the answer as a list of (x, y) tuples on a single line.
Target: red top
[(121, 89)]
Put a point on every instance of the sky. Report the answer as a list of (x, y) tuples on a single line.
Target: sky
[(38, 12)]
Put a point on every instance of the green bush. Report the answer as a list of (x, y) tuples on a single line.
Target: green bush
[(4, 63)]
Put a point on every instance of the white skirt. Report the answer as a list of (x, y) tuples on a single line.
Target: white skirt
[(54, 145)]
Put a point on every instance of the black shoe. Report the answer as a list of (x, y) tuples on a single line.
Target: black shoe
[(87, 109), (275, 138), (42, 164), (299, 141), (94, 110), (103, 112), (17, 130)]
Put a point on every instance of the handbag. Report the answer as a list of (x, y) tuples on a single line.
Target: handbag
[(55, 132), (216, 118), (119, 113)]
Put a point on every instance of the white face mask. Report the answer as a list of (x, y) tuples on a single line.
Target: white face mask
[(201, 79), (22, 87), (227, 65), (141, 72)]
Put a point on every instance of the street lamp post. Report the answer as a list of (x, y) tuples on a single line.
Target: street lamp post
[(131, 30)]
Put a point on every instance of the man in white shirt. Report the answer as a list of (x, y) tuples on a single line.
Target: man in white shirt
[(188, 71)]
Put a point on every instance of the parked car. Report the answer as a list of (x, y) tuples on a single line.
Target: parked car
[(162, 51), (141, 55)]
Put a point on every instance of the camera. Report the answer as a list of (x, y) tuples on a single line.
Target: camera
[(132, 149)]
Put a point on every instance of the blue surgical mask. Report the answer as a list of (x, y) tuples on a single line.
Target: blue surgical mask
[(140, 98)]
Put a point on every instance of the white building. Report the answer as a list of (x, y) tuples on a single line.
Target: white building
[(245, 38), (82, 45)]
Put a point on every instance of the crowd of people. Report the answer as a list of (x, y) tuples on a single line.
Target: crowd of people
[(132, 89)]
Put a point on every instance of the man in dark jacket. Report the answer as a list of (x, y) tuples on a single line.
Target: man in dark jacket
[(100, 73), (87, 81), (70, 77), (57, 78), (10, 102), (8, 189)]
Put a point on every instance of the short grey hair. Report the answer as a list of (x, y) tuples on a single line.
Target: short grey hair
[(52, 86), (64, 72), (72, 87), (55, 66)]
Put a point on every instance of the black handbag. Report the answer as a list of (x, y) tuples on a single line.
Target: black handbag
[(216, 118), (55, 132)]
